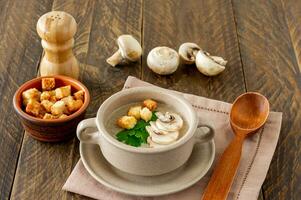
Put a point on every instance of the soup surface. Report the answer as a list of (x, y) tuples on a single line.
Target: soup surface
[(112, 127)]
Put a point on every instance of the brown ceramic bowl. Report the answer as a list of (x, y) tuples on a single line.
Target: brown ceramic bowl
[(51, 130)]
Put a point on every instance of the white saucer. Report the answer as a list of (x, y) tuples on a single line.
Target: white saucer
[(196, 167)]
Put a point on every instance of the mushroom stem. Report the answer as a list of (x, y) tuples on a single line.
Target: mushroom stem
[(115, 59), (194, 52)]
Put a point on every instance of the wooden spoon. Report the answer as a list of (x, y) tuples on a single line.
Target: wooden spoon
[(248, 113)]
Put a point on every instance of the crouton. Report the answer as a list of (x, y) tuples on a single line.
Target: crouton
[(63, 116), (25, 101), (29, 94), (127, 122), (135, 112), (47, 105), (74, 105), (67, 99), (146, 114), (150, 104), (58, 108), (48, 83), (79, 95), (49, 116), (62, 92), (48, 95), (34, 108)]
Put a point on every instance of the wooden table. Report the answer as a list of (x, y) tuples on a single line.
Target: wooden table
[(261, 40)]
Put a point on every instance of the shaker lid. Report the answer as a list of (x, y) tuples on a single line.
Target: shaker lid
[(56, 26)]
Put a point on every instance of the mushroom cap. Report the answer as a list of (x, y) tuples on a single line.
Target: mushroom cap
[(208, 65), (163, 60), (129, 47), (188, 51)]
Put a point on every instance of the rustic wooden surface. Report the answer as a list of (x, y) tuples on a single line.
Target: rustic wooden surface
[(261, 40)]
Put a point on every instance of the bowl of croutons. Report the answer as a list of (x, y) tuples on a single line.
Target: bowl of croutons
[(50, 107)]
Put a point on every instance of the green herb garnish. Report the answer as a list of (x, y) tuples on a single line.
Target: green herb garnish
[(137, 135)]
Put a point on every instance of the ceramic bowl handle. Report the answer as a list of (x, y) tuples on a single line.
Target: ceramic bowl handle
[(90, 137), (202, 135)]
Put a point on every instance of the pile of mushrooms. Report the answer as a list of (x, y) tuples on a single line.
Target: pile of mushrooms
[(208, 65), (165, 130), (164, 60)]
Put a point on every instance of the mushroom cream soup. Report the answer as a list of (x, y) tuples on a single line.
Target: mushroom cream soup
[(141, 125)]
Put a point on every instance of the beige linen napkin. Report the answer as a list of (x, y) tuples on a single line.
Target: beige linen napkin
[(256, 156)]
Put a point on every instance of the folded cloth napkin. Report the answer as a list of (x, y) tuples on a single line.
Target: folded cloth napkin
[(256, 156)]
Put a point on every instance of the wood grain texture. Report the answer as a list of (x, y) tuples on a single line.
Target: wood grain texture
[(171, 23), (19, 56), (270, 47), (292, 11), (113, 18), (44, 168), (261, 40), (261, 197)]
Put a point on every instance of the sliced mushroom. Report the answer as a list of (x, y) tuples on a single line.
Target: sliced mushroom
[(162, 139), (129, 50), (174, 125), (166, 118), (209, 65), (188, 51), (153, 144), (163, 60), (135, 112), (157, 130)]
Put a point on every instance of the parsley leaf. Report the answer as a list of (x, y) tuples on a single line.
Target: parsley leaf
[(133, 141), (123, 135), (154, 117), (142, 135), (137, 135)]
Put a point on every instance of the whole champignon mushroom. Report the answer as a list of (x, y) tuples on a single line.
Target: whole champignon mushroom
[(188, 51), (129, 50), (163, 60), (209, 65)]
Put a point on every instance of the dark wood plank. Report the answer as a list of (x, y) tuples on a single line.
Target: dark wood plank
[(19, 55), (172, 22), (261, 197), (270, 50), (44, 168), (113, 18), (292, 11)]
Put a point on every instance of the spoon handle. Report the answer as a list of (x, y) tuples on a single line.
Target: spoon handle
[(224, 172)]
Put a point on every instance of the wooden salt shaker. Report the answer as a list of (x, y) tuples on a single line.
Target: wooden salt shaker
[(57, 29)]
